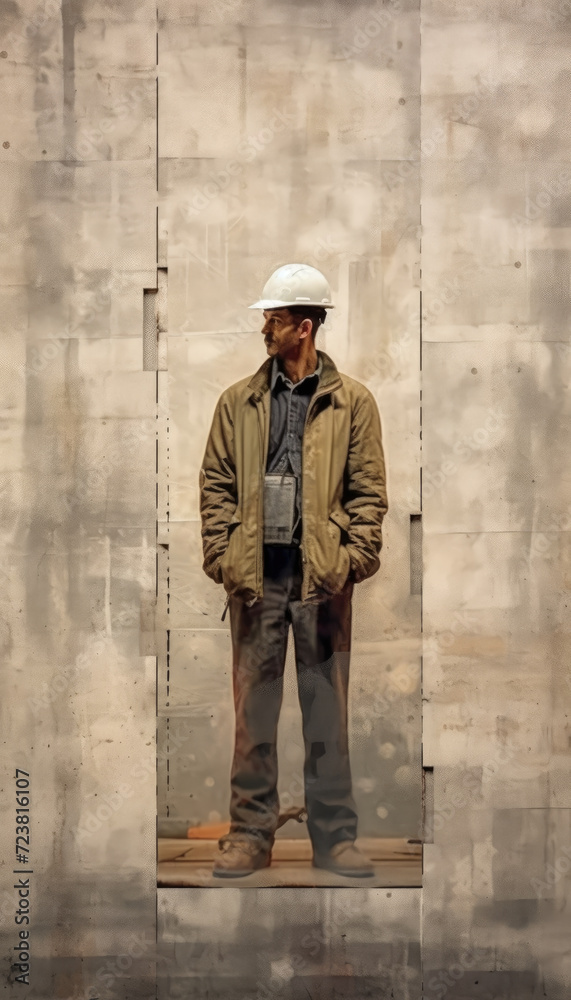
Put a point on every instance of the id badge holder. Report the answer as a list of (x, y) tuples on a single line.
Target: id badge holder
[(279, 508)]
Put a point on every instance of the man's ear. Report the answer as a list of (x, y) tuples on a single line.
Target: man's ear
[(305, 328)]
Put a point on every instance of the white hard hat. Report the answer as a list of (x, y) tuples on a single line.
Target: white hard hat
[(295, 285)]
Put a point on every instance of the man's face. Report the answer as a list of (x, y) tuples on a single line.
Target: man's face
[(281, 332)]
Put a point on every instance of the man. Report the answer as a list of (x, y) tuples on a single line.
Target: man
[(293, 496)]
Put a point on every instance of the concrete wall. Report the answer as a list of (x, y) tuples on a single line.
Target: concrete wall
[(496, 202), (80, 405), (319, 943), (77, 162)]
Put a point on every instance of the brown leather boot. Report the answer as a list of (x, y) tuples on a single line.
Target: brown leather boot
[(239, 855), (345, 859)]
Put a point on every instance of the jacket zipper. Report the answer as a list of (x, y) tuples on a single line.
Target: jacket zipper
[(259, 411)]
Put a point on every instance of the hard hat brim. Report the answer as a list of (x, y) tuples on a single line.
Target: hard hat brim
[(278, 304)]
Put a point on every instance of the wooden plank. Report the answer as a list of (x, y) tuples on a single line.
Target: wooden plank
[(289, 851)]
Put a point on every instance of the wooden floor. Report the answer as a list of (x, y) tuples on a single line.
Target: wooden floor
[(398, 863)]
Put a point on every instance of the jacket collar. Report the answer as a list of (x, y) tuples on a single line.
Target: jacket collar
[(276, 371), (329, 378)]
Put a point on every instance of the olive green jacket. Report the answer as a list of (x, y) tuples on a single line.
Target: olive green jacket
[(344, 495)]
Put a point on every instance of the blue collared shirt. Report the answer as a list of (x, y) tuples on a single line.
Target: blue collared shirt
[(288, 410)]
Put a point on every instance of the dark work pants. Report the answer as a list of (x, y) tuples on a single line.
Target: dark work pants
[(322, 640)]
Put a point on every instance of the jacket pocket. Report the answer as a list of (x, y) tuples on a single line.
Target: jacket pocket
[(341, 518), (228, 557), (337, 570), (233, 523)]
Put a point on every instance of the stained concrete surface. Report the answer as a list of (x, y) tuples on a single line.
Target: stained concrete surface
[(485, 88)]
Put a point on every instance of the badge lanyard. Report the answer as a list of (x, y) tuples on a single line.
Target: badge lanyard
[(279, 508)]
